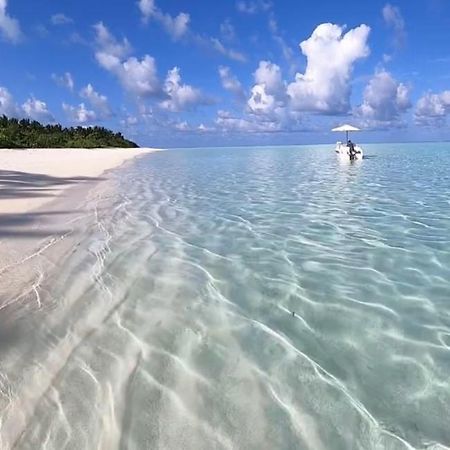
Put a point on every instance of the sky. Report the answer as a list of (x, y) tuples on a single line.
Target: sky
[(172, 73)]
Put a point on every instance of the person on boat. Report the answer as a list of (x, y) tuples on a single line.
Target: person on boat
[(351, 149)]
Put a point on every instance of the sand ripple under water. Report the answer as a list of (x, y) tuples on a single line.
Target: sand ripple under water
[(169, 325)]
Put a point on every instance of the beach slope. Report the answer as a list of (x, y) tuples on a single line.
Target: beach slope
[(31, 178)]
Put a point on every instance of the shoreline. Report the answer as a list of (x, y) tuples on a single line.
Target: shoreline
[(32, 178), (46, 245), (43, 216)]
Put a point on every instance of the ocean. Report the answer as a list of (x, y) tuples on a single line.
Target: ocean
[(245, 298)]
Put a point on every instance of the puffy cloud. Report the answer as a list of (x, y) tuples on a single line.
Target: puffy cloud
[(37, 110), (268, 95), (384, 100), (60, 19), (176, 26), (79, 114), (110, 49), (432, 109), (269, 75), (8, 107), (138, 76), (98, 102), (181, 97), (9, 27), (393, 19), (65, 80), (147, 8), (253, 6), (260, 102), (32, 108), (267, 108), (231, 83), (324, 87)]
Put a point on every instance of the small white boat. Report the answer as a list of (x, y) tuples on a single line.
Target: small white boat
[(342, 149)]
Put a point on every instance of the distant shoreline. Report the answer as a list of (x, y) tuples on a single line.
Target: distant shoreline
[(26, 133), (46, 198)]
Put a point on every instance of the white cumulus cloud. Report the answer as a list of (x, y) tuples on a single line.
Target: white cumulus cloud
[(109, 48), (65, 80), (267, 109), (33, 108), (331, 55), (268, 95), (268, 98), (147, 8), (137, 76), (9, 27), (97, 101), (176, 26), (269, 75), (432, 109), (79, 114), (260, 102), (37, 110), (8, 106), (384, 100), (231, 83), (180, 97)]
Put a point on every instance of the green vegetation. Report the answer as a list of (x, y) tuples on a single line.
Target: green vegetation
[(26, 133)]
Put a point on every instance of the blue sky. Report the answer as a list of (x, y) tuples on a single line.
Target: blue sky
[(176, 73)]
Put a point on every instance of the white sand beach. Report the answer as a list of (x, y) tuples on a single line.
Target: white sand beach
[(30, 178), (44, 196)]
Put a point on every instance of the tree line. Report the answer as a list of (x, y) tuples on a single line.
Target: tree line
[(26, 133)]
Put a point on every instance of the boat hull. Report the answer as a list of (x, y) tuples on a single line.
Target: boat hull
[(344, 152)]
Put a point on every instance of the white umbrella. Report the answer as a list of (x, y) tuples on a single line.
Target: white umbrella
[(346, 128)]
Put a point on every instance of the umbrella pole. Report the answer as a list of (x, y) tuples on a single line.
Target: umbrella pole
[(346, 136)]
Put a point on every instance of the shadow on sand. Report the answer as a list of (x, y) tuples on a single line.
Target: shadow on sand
[(16, 185)]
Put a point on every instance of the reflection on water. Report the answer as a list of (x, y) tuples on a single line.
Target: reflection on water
[(171, 325)]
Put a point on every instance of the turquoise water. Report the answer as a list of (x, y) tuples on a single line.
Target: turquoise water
[(179, 306)]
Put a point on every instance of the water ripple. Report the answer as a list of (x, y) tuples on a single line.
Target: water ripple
[(171, 323)]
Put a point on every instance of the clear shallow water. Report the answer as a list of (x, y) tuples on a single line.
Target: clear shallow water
[(170, 325)]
